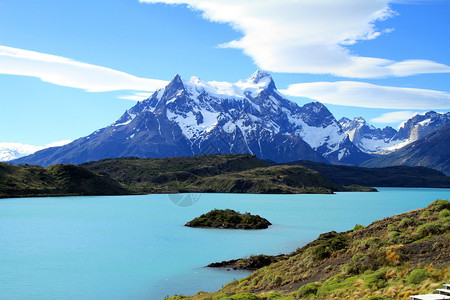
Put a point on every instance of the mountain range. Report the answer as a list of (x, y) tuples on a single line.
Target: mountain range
[(382, 141), (188, 118)]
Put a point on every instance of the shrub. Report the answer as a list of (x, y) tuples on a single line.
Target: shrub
[(427, 229), (439, 205), (406, 222), (426, 213), (377, 279), (417, 276), (358, 227), (308, 289), (324, 249), (445, 213), (245, 296)]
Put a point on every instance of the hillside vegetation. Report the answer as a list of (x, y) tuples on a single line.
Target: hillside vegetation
[(396, 176), (232, 173), (57, 180), (390, 259)]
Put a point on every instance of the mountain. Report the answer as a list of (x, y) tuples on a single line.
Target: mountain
[(383, 141), (195, 117), (368, 138), (421, 125), (432, 151)]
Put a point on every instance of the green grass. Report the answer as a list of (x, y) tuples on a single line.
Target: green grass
[(391, 258)]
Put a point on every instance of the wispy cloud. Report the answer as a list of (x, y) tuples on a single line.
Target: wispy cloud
[(10, 151), (139, 96), (66, 72), (360, 94), (306, 36), (394, 117)]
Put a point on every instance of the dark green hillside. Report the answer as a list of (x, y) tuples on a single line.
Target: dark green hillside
[(392, 258), (57, 180), (228, 219), (153, 175), (232, 173), (270, 180), (397, 176)]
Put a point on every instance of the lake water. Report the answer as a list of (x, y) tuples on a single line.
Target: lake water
[(136, 247)]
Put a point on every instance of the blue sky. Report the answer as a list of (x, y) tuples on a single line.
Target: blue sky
[(68, 68)]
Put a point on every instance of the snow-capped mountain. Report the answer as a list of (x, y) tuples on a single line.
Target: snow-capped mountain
[(369, 138), (196, 117), (11, 151), (431, 151), (382, 141), (422, 125)]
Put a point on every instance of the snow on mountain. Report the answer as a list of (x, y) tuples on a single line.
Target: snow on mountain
[(368, 138), (196, 117), (382, 141), (10, 151), (421, 125)]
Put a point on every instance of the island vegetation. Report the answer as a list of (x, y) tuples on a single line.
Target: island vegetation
[(392, 258), (229, 219)]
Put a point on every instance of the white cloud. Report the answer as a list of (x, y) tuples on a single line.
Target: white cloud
[(309, 36), (58, 143), (360, 94), (66, 72), (10, 151), (394, 117), (139, 96)]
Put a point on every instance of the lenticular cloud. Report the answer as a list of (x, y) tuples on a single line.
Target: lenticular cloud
[(307, 36)]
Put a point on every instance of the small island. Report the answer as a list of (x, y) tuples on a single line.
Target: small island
[(229, 219)]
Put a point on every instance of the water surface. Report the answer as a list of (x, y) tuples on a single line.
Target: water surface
[(136, 247)]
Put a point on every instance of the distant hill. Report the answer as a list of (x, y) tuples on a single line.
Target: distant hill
[(57, 180), (398, 176), (232, 173), (432, 151), (391, 258)]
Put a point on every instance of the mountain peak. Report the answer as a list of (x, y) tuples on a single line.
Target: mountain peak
[(260, 75)]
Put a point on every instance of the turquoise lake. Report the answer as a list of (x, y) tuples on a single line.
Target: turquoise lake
[(136, 247)]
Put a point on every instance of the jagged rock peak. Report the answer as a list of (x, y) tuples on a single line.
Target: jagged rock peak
[(260, 75)]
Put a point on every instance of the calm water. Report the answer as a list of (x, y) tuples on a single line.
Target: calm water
[(136, 247)]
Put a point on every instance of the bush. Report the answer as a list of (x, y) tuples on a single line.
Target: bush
[(439, 205), (406, 222), (245, 296), (417, 276), (427, 229), (358, 227), (308, 289), (333, 244), (377, 279), (445, 213)]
